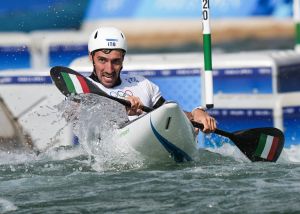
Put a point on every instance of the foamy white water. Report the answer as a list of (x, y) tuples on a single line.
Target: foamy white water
[(292, 154), (7, 206), (94, 123)]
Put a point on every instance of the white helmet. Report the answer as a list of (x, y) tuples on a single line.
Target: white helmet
[(107, 38)]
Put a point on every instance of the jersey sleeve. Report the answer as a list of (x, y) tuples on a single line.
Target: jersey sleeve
[(154, 92)]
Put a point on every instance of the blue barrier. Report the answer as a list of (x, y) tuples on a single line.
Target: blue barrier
[(291, 118), (14, 57), (288, 78), (63, 55)]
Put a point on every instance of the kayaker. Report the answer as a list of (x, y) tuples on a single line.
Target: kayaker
[(107, 47)]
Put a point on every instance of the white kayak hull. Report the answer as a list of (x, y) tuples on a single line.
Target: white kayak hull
[(163, 134)]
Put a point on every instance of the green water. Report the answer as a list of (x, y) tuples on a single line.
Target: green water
[(73, 182)]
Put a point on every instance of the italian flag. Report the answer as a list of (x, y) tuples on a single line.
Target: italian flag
[(75, 84), (267, 146)]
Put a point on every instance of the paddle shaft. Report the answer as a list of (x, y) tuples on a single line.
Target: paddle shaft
[(124, 102), (217, 131)]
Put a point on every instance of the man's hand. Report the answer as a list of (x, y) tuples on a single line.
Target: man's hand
[(136, 104), (203, 117)]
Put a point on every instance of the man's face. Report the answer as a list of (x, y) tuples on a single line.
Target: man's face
[(108, 66)]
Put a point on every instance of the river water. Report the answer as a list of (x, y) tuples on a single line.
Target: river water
[(68, 181), (105, 178)]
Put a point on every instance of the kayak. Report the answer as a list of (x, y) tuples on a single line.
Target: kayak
[(163, 134)]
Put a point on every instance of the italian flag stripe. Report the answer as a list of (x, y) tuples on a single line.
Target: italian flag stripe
[(83, 84), (267, 146), (75, 84), (68, 82), (273, 148)]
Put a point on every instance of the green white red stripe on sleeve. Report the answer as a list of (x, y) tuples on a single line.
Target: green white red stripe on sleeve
[(75, 83), (267, 146)]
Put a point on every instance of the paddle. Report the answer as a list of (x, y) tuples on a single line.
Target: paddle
[(258, 144)]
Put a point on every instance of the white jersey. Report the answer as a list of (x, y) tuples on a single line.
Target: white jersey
[(137, 86)]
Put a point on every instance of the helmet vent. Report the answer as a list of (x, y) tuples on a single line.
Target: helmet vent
[(122, 35), (96, 34)]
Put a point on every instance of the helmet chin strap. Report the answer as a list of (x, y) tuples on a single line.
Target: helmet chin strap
[(94, 69)]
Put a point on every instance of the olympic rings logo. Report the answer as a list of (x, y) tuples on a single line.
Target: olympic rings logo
[(122, 94)]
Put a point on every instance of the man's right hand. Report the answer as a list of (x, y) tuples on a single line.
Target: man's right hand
[(136, 104)]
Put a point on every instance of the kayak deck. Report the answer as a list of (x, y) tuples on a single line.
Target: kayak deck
[(162, 134)]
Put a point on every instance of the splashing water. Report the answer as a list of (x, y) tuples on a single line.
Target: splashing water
[(291, 154), (94, 121)]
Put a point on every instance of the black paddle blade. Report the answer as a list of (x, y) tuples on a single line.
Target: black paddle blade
[(260, 144), (70, 82)]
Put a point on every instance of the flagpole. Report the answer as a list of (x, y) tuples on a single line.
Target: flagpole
[(208, 76)]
